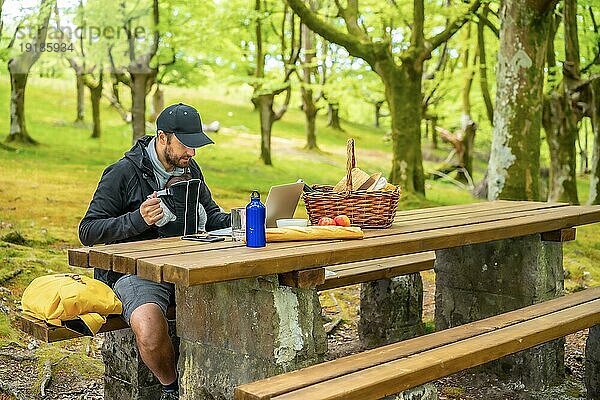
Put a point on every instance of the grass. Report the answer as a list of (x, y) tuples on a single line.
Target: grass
[(453, 392), (68, 361), (45, 189), (6, 332)]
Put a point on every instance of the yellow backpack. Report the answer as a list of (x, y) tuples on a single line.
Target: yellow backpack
[(64, 297)]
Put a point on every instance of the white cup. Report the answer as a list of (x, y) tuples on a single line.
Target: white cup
[(281, 223)]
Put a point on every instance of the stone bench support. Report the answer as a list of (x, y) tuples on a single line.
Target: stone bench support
[(592, 363), (126, 377), (391, 310)]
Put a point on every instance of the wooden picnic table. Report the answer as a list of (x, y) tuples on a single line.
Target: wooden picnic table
[(237, 323), (189, 263)]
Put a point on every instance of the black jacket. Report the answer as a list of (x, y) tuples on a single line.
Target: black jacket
[(114, 212)]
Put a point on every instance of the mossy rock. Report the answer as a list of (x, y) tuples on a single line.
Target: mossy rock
[(15, 237)]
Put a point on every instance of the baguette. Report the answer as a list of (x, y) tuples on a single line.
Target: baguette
[(291, 233)]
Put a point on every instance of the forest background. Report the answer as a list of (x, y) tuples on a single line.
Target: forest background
[(455, 101)]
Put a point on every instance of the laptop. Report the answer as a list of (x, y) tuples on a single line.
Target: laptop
[(281, 203)]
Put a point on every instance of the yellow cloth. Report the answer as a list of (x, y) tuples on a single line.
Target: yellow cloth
[(64, 297)]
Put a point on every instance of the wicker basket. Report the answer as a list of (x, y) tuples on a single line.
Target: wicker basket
[(374, 209)]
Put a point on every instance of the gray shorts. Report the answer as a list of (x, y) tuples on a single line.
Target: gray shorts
[(134, 291)]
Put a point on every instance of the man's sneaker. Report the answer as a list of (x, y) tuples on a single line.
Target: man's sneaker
[(169, 395)]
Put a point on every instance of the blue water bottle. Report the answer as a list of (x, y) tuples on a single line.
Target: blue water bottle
[(255, 221)]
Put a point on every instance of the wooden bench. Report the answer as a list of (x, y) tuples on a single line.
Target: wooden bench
[(365, 271), (394, 368), (49, 333), (341, 275)]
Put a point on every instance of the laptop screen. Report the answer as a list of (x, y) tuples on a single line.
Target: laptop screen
[(282, 201)]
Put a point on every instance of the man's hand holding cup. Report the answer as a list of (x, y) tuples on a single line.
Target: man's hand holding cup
[(151, 210)]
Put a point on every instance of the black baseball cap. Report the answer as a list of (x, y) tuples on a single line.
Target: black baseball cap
[(183, 121)]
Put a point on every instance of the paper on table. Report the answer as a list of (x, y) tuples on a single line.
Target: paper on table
[(221, 232)]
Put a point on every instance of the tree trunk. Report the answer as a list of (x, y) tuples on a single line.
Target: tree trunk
[(18, 128), (262, 102), (560, 117), (80, 96), (595, 117), (255, 105), (264, 98), (378, 106), (115, 88), (560, 125), (480, 191), (434, 134), (95, 96), (142, 75), (584, 166), (139, 89), (158, 102), (310, 112), (333, 116), (18, 68), (265, 103), (310, 108), (483, 80), (468, 126), (403, 94), (468, 139), (514, 166)]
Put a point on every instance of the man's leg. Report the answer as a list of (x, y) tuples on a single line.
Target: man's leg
[(154, 343), (145, 305)]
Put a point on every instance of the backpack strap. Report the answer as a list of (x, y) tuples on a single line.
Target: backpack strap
[(93, 321)]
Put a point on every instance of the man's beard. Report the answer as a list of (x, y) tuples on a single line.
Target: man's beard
[(175, 161)]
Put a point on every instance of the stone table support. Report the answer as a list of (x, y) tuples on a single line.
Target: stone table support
[(478, 281), (245, 330)]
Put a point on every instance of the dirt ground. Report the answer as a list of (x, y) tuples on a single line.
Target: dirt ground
[(76, 367)]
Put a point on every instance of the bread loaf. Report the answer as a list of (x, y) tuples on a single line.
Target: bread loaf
[(290, 233), (359, 177)]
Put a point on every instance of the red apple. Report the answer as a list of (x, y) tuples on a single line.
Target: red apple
[(342, 220), (325, 221)]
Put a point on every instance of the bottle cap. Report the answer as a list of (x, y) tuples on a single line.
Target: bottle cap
[(255, 194)]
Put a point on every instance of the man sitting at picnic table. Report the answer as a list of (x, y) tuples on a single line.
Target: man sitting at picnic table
[(125, 208)]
